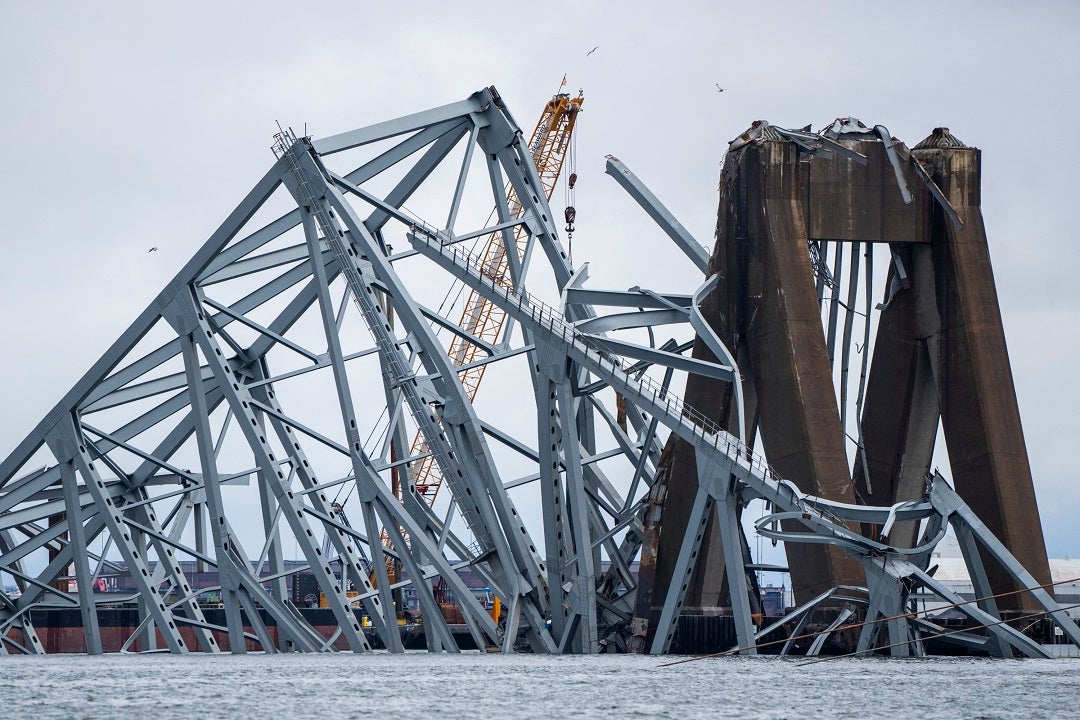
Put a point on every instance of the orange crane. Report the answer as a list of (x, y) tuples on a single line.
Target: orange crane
[(550, 146)]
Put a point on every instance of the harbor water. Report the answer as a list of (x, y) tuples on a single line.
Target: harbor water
[(531, 686)]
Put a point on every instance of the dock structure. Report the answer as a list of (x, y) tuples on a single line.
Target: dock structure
[(266, 400)]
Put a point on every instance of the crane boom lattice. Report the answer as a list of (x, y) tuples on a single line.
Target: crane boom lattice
[(481, 318)]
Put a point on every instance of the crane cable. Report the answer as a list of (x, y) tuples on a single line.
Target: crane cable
[(570, 214)]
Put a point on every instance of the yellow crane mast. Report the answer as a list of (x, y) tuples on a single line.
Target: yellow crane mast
[(550, 146)]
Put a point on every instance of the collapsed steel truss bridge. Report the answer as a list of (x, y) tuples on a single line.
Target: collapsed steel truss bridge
[(206, 432)]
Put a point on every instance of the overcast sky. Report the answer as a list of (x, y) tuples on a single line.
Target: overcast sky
[(126, 126)]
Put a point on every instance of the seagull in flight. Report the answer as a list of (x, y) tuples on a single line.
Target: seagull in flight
[(719, 89), (592, 51), (153, 249)]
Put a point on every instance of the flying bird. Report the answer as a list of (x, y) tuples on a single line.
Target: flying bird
[(719, 89), (153, 249), (592, 51)]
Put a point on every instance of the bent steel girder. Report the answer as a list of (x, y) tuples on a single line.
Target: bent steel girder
[(731, 473), (893, 572)]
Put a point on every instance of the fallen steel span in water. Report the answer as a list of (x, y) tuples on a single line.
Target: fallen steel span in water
[(299, 303)]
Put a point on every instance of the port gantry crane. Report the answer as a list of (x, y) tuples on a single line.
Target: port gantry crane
[(550, 145)]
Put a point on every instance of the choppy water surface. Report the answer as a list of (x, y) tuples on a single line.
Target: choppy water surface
[(529, 686)]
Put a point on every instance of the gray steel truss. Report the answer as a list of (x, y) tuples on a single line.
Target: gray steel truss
[(287, 363)]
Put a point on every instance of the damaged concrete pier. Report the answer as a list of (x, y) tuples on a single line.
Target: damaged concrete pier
[(789, 200)]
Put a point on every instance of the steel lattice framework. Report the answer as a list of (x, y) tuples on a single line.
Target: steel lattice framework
[(205, 433), (481, 318)]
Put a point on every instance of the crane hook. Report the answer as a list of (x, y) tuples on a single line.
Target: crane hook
[(570, 214)]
